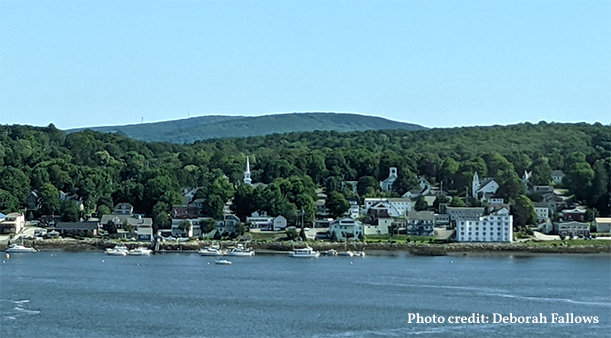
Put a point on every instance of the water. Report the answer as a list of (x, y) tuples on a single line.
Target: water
[(185, 295)]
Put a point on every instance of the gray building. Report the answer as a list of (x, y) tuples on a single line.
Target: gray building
[(420, 223)]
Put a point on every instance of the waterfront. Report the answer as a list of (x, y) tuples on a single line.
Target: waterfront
[(184, 295)]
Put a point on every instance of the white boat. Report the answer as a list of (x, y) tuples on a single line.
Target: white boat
[(210, 251), (331, 252), (306, 252), (19, 248), (222, 262), (360, 254), (119, 250), (240, 251), (346, 253), (140, 251)]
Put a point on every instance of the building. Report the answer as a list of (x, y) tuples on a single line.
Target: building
[(346, 228), (486, 186), (77, 228), (558, 176), (145, 233), (603, 224), (32, 200), (247, 178), (381, 226), (576, 214), (12, 223), (454, 213), (279, 223), (396, 206), (355, 208), (124, 209), (420, 223), (542, 214), (493, 228), (572, 229), (386, 185)]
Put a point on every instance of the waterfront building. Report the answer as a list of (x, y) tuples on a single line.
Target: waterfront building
[(603, 224), (12, 223), (492, 228), (346, 228), (455, 213), (576, 214), (82, 228), (572, 229), (396, 206), (420, 223)]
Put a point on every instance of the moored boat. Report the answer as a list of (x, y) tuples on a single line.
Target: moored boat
[(119, 250), (210, 251), (347, 253), (140, 251), (306, 252), (16, 248), (222, 262), (240, 251)]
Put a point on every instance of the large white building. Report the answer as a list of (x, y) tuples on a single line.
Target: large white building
[(396, 206), (340, 229), (493, 228)]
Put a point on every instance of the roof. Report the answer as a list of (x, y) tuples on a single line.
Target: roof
[(127, 218), (76, 226), (421, 215), (603, 220), (558, 173)]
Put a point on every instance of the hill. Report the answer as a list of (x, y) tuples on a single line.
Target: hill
[(216, 126)]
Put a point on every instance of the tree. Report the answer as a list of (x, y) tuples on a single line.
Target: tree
[(103, 210), (244, 201), (457, 202), (421, 204), (291, 233), (367, 185), (510, 185), (240, 229), (440, 200), (337, 204), (541, 171), (161, 214), (184, 226), (579, 179), (49, 199), (207, 225), (69, 211), (8, 202), (523, 212), (110, 227)]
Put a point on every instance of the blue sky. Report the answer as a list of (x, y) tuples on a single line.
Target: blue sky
[(435, 63)]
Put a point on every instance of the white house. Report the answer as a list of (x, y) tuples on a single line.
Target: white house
[(381, 228), (557, 176), (124, 209), (542, 214), (603, 224), (145, 233), (386, 185), (493, 228), (396, 206), (346, 228), (12, 223), (486, 186), (355, 208), (279, 223)]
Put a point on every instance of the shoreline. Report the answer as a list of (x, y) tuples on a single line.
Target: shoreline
[(374, 249)]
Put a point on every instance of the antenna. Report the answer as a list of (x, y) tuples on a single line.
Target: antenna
[(141, 119)]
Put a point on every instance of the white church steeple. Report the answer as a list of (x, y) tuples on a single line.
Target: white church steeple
[(475, 185), (247, 178)]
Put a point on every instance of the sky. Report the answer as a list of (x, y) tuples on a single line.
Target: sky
[(434, 63)]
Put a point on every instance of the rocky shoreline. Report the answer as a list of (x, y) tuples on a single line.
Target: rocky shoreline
[(89, 245)]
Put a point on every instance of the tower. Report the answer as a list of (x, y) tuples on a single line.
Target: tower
[(247, 178), (475, 185)]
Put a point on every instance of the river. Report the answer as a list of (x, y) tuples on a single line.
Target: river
[(184, 295)]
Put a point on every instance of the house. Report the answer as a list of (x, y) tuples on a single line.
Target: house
[(124, 209), (572, 229), (346, 228), (145, 233), (492, 228), (194, 228), (181, 212), (575, 214), (77, 228), (321, 208), (542, 214), (279, 223), (355, 208), (121, 221), (197, 203), (32, 200), (386, 185), (420, 223), (442, 219), (603, 224), (558, 176), (188, 194), (257, 221), (486, 186), (396, 206), (455, 213), (12, 223), (381, 226), (495, 200)]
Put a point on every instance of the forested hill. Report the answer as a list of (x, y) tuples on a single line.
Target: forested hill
[(210, 127), (105, 168)]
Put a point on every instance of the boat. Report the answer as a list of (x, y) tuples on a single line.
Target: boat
[(140, 251), (331, 252), (19, 248), (119, 250), (222, 262), (347, 253), (210, 251), (240, 251), (306, 252), (359, 253)]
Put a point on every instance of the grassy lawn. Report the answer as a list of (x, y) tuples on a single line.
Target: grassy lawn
[(266, 236), (398, 238), (573, 242)]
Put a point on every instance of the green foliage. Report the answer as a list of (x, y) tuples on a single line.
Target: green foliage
[(69, 211), (421, 204), (457, 202), (291, 233), (337, 204), (523, 212), (184, 226), (206, 225)]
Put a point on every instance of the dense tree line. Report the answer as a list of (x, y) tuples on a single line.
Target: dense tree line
[(105, 169)]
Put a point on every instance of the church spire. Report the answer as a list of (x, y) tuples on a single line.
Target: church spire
[(247, 178)]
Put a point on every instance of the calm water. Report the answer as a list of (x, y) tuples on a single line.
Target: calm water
[(183, 295)]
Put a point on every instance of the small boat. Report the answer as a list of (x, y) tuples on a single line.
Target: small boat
[(140, 251), (331, 252), (222, 262), (359, 253), (240, 251), (210, 251), (346, 253), (19, 248), (119, 250), (306, 252)]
